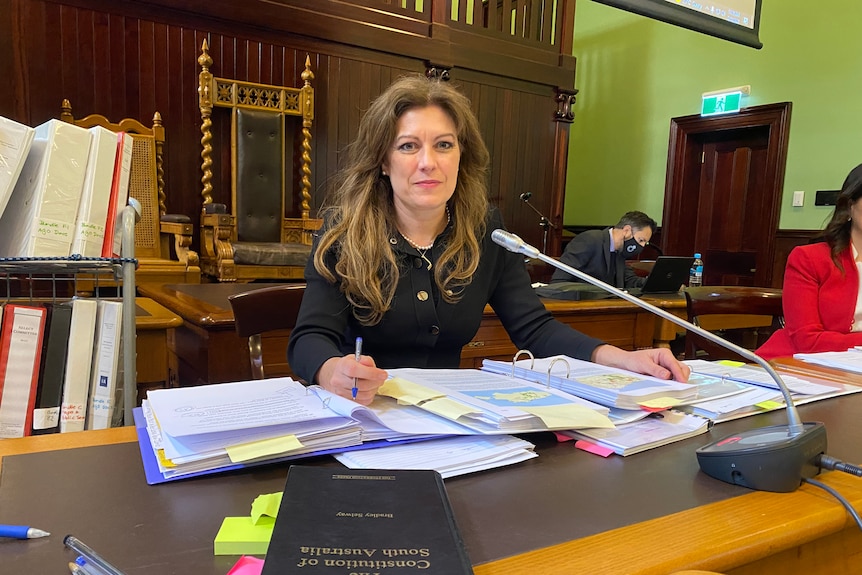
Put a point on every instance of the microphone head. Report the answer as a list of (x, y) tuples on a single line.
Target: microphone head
[(513, 243), (526, 196)]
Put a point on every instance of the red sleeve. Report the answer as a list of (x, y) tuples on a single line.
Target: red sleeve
[(804, 280)]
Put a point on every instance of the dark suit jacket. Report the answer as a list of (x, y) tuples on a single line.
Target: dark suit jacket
[(590, 252), (427, 331)]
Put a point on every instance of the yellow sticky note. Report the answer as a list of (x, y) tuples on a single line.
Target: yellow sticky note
[(407, 391), (164, 461), (241, 536), (770, 404), (265, 505), (449, 408), (730, 363), (263, 448), (569, 416), (660, 403)]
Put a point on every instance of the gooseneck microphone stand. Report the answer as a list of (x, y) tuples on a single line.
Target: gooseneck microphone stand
[(774, 458), (544, 222)]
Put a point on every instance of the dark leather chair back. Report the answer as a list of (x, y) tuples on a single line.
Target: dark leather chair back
[(263, 310), (745, 315), (259, 175)]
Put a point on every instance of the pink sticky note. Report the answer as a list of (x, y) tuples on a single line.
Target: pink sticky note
[(247, 565), (593, 448), (561, 437)]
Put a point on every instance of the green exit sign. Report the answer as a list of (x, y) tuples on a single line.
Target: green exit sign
[(721, 104)]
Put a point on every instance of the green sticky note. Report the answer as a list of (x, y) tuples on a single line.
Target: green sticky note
[(249, 535), (730, 363), (769, 405), (265, 505), (241, 536)]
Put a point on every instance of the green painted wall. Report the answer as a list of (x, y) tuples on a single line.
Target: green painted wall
[(635, 74)]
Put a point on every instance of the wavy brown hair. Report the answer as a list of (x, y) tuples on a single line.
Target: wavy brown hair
[(360, 213), (837, 231)]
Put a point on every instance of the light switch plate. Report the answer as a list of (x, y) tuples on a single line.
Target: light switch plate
[(798, 199)]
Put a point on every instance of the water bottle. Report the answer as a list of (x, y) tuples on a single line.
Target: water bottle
[(695, 276)]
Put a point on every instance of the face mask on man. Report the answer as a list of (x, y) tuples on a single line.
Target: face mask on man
[(631, 248)]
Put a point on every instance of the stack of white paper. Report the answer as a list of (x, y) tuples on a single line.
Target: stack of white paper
[(489, 403), (449, 456), (604, 385), (654, 431), (762, 392), (850, 360), (207, 427)]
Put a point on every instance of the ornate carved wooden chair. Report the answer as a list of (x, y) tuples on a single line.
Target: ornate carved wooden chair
[(266, 310), (744, 315), (158, 231), (252, 238)]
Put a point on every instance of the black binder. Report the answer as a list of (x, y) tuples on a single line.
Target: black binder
[(339, 521)]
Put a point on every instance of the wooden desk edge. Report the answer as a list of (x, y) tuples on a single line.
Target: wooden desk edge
[(190, 309), (55, 441), (159, 316), (718, 536)]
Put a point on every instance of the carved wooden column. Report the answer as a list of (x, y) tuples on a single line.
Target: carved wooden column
[(563, 116)]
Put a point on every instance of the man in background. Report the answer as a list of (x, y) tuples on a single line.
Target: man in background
[(603, 253)]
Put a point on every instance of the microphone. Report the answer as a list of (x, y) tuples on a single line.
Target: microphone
[(526, 196), (773, 458)]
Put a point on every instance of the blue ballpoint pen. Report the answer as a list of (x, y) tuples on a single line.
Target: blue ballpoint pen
[(358, 355), (85, 567), (79, 569), (21, 532), (95, 563)]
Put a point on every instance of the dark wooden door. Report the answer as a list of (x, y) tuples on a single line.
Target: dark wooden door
[(723, 194)]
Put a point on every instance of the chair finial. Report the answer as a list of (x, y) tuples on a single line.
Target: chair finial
[(66, 111), (307, 75)]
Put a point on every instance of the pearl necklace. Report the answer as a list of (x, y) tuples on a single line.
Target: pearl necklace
[(423, 250)]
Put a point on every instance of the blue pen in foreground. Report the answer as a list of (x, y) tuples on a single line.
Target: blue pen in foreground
[(90, 556), (21, 532)]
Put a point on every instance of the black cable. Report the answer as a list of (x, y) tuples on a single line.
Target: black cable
[(829, 463), (839, 497)]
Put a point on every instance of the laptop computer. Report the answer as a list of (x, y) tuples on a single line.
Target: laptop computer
[(668, 274)]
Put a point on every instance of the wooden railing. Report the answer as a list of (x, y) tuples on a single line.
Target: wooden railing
[(528, 40)]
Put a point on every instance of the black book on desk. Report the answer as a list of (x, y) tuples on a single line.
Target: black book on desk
[(340, 521)]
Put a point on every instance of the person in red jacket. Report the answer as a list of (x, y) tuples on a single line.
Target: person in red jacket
[(821, 297)]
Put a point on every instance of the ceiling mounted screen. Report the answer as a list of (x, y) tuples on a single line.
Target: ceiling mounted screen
[(734, 20)]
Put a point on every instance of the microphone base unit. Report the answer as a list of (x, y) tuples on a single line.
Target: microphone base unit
[(767, 458)]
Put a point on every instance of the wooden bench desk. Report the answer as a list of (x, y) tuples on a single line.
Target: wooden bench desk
[(209, 351), (565, 512)]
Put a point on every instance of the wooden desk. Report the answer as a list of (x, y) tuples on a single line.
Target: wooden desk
[(206, 345), (209, 351), (546, 516), (156, 361)]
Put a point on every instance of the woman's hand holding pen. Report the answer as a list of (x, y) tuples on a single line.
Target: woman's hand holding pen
[(339, 375)]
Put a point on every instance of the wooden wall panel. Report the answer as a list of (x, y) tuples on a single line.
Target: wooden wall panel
[(131, 59), (785, 241)]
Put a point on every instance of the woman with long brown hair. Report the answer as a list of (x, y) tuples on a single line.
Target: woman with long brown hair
[(405, 260)]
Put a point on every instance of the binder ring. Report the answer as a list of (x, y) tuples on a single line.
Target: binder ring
[(313, 389), (551, 367), (517, 355)]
